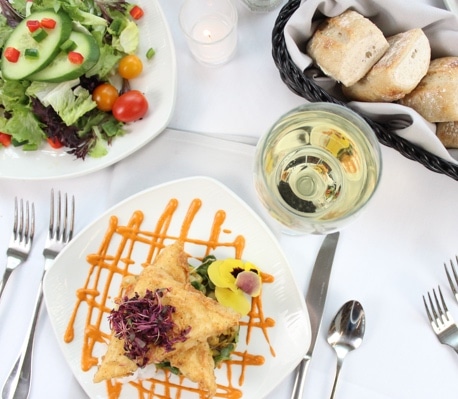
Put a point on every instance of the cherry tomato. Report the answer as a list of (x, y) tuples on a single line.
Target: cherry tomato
[(54, 142), (130, 66), (105, 96), (5, 139), (130, 106)]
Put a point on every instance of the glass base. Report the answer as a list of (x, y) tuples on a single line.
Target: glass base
[(262, 5)]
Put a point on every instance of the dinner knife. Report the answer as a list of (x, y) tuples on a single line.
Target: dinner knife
[(315, 300)]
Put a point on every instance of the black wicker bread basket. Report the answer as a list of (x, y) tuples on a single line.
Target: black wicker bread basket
[(305, 87)]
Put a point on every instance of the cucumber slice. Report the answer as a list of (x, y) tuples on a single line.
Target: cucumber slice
[(21, 39), (61, 69)]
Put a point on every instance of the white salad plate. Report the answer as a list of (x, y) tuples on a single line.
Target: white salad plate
[(219, 220), (158, 83)]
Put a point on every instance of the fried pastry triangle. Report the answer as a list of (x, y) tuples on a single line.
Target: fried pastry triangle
[(204, 316)]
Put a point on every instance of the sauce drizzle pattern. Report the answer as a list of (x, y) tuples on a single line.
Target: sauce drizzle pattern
[(118, 256)]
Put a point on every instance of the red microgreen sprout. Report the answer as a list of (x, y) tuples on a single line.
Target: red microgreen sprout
[(145, 321)]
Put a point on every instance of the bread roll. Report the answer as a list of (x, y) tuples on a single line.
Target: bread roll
[(398, 72), (447, 132), (435, 98), (345, 47)]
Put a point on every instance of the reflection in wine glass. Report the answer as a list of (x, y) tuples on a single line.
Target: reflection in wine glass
[(317, 167)]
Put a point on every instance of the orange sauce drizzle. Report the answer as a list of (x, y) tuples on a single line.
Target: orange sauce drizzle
[(114, 260)]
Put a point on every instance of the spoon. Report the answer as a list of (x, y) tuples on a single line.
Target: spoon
[(346, 333)]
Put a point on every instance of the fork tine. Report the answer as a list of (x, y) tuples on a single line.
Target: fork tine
[(62, 217), (51, 216), (433, 309), (17, 227), (29, 222), (24, 221), (72, 219), (443, 310), (430, 317), (32, 225), (59, 211), (453, 284), (65, 219)]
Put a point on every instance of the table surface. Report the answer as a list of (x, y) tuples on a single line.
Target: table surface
[(387, 259)]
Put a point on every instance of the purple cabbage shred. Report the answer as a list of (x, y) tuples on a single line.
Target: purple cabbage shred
[(145, 321)]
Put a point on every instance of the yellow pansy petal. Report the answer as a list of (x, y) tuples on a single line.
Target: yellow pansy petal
[(221, 272), (217, 276), (235, 300), (251, 267), (230, 265)]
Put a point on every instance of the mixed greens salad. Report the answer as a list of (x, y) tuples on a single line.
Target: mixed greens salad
[(65, 72)]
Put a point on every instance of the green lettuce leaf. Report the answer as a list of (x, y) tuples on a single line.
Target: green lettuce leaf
[(13, 93), (70, 102), (109, 57), (128, 39), (24, 128)]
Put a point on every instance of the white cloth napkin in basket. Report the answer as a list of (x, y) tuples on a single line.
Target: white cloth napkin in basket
[(391, 16)]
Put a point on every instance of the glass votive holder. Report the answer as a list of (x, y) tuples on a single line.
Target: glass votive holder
[(210, 28), (262, 5)]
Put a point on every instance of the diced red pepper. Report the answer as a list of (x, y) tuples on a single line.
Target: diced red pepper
[(136, 12), (33, 25), (75, 57), (54, 142), (48, 23), (12, 54), (5, 139)]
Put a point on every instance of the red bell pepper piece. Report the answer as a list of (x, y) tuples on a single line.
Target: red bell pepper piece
[(75, 57), (12, 54), (48, 23), (136, 12), (33, 25)]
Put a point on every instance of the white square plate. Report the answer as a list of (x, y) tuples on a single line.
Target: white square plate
[(210, 219)]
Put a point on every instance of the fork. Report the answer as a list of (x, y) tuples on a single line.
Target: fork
[(453, 282), (441, 320), (21, 239), (60, 232)]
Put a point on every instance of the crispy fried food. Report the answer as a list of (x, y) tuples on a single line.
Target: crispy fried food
[(197, 364), (115, 363), (173, 260), (205, 317)]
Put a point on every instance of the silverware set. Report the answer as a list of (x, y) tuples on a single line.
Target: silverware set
[(60, 232), (441, 320), (347, 329)]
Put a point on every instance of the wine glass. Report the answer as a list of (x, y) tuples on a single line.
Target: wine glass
[(317, 168)]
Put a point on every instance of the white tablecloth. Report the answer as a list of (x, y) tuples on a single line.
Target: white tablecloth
[(387, 259)]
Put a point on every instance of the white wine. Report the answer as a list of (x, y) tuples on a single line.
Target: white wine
[(316, 167)]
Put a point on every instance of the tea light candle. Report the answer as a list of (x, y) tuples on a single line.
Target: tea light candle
[(210, 28)]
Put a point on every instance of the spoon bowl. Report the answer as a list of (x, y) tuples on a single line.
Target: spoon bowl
[(346, 333)]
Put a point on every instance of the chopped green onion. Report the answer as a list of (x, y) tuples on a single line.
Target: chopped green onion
[(31, 53), (39, 35), (150, 53), (68, 45)]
